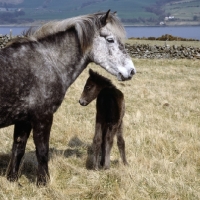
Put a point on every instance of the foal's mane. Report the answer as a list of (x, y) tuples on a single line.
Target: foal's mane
[(85, 26), (99, 79)]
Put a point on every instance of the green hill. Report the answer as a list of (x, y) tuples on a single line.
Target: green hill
[(58, 9), (145, 12)]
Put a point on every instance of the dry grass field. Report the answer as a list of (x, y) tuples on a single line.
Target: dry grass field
[(161, 131)]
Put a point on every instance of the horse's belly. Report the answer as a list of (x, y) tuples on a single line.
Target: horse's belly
[(10, 115)]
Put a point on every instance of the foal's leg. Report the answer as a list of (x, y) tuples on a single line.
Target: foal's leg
[(41, 133), (21, 133), (97, 145), (108, 146), (103, 150), (121, 144)]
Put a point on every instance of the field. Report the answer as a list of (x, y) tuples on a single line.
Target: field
[(161, 130)]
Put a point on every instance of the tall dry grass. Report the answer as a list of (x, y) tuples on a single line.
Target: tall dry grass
[(162, 135)]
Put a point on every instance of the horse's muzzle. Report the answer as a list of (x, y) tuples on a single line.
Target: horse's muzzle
[(132, 72), (120, 76), (83, 102)]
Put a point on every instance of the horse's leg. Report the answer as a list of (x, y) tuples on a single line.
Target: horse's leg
[(108, 146), (97, 145), (103, 150), (41, 133), (21, 133), (121, 144)]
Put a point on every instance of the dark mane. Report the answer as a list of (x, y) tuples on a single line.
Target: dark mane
[(99, 79)]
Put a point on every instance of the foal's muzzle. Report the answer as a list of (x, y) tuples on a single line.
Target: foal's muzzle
[(83, 102)]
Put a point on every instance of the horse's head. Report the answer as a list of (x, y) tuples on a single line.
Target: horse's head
[(90, 92), (108, 49)]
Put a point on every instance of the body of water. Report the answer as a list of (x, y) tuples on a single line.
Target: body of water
[(190, 32), (16, 30)]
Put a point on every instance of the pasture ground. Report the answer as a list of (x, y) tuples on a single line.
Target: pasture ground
[(161, 131)]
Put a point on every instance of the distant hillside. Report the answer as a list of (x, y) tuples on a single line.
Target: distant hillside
[(11, 1), (133, 12)]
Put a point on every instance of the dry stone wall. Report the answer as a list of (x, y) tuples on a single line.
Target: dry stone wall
[(165, 52), (4, 39)]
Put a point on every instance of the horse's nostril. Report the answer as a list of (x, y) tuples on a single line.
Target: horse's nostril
[(132, 72), (120, 77), (83, 102)]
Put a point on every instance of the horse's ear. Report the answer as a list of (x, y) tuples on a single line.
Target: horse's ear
[(91, 72), (103, 18)]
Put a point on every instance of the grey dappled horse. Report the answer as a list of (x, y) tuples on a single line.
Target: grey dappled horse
[(110, 106), (36, 71)]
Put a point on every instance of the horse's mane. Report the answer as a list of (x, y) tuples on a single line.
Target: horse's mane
[(99, 79), (18, 40), (86, 26)]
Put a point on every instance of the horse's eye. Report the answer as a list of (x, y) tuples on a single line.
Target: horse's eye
[(110, 40), (87, 87)]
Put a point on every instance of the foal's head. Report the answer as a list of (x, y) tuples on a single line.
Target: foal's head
[(94, 84)]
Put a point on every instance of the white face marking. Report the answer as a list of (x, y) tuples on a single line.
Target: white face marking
[(110, 54)]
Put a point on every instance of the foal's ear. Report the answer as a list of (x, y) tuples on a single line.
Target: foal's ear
[(91, 72), (103, 18)]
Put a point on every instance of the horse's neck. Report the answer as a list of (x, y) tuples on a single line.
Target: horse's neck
[(69, 59), (108, 87)]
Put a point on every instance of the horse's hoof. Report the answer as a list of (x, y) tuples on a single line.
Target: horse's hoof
[(41, 184), (106, 167), (96, 168), (12, 177), (42, 181)]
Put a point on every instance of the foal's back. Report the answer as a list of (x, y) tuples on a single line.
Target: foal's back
[(110, 106)]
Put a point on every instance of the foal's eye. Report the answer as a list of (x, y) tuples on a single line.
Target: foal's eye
[(87, 87), (110, 40)]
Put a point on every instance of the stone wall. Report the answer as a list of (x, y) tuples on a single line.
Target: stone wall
[(4, 39), (166, 52)]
